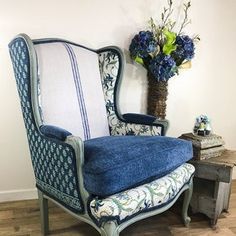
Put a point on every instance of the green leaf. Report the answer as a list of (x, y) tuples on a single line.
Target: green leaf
[(168, 49), (169, 45), (139, 60), (170, 36)]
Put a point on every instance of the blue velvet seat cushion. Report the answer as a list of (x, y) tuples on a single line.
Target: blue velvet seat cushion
[(116, 163)]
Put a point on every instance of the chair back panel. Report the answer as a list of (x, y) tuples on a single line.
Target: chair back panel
[(70, 89)]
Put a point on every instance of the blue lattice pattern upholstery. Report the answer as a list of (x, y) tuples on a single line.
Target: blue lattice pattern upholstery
[(53, 161), (110, 69), (126, 204)]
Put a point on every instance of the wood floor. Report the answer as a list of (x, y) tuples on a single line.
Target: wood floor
[(22, 218)]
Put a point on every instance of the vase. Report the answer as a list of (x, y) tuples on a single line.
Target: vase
[(157, 97)]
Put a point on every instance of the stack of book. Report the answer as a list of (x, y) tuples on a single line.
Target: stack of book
[(205, 147)]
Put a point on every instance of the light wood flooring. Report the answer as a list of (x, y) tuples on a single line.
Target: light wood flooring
[(22, 218)]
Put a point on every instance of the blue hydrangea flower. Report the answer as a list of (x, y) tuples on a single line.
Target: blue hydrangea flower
[(142, 44), (162, 67), (185, 49)]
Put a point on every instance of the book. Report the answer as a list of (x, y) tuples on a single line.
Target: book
[(204, 142), (203, 154)]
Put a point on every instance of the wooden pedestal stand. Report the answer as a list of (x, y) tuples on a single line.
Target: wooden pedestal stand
[(212, 185)]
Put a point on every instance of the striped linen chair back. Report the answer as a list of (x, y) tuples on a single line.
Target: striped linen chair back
[(70, 90)]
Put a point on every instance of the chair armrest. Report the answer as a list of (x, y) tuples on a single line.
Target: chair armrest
[(61, 154), (147, 121), (139, 118), (51, 131), (78, 146)]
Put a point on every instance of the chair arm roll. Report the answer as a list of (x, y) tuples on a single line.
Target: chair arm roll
[(144, 119), (139, 118), (51, 131)]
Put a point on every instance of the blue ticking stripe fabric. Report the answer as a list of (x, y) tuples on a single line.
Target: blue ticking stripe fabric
[(79, 91)]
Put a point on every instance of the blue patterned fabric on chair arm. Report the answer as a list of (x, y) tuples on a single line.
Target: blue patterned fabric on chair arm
[(51, 131), (143, 119), (111, 69), (56, 163)]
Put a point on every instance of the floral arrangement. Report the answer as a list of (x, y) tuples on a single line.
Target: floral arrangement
[(202, 125), (161, 50)]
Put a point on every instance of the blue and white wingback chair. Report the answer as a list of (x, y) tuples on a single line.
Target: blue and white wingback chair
[(107, 169)]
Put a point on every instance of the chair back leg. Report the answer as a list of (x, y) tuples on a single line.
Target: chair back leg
[(44, 220), (187, 198)]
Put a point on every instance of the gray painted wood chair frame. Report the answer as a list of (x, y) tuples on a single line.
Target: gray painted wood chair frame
[(111, 228), (26, 77)]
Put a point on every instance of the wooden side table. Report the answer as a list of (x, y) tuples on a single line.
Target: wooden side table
[(212, 185)]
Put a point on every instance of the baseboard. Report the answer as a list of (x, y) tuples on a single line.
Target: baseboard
[(17, 195), (26, 194)]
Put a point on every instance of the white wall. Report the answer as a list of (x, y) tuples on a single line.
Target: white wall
[(208, 87)]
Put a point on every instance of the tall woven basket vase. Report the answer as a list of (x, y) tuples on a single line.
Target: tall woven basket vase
[(157, 97)]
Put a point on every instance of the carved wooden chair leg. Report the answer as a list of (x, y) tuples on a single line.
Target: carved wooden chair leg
[(213, 223), (43, 205), (109, 229), (187, 198)]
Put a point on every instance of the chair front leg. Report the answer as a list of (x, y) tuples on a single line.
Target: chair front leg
[(187, 198), (44, 220), (109, 229)]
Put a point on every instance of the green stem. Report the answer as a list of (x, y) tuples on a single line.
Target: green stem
[(169, 10), (186, 21)]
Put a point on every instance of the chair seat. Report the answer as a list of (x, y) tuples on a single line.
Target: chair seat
[(150, 196), (116, 163)]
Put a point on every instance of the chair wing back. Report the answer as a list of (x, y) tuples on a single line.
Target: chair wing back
[(111, 68), (70, 89), (54, 162)]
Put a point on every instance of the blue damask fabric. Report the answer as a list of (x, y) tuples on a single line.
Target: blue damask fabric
[(53, 161), (147, 197), (115, 163), (110, 69)]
